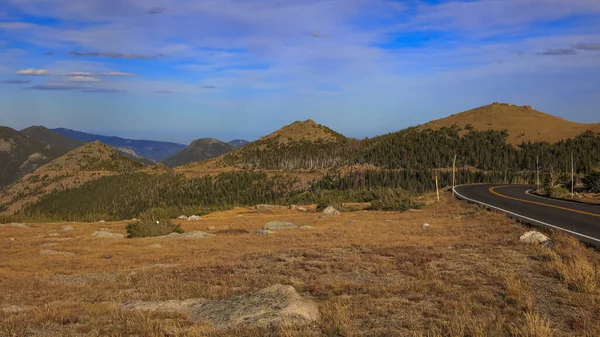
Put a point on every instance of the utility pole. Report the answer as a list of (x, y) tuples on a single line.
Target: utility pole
[(453, 174), (572, 177), (437, 189), (537, 172)]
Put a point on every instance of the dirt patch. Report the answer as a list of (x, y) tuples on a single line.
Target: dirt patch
[(275, 305)]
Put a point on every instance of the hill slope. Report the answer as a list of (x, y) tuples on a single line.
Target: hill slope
[(52, 138), (86, 163), (522, 122), (155, 150), (198, 150), (20, 154)]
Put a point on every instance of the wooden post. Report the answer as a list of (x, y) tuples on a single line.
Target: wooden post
[(572, 177), (453, 174), (437, 189)]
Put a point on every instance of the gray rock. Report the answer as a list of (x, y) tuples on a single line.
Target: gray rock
[(329, 211), (302, 209), (19, 225), (190, 235), (275, 305), (426, 226), (54, 252), (156, 245), (534, 237), (194, 218), (262, 207), (211, 228), (66, 228), (102, 221), (275, 225), (182, 217), (103, 234), (263, 232)]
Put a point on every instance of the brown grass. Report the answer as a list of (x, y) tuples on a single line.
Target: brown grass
[(522, 122), (381, 275)]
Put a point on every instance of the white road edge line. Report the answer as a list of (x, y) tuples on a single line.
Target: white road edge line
[(524, 217), (559, 200)]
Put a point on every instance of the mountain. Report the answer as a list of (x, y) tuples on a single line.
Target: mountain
[(238, 142), (302, 131), (20, 154), (199, 150), (52, 138), (523, 123), (86, 163), (154, 150)]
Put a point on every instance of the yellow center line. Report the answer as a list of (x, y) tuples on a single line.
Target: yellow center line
[(492, 190)]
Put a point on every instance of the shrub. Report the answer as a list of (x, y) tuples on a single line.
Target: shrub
[(394, 200), (591, 182), (152, 223)]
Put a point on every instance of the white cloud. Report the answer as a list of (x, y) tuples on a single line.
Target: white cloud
[(81, 79), (35, 72)]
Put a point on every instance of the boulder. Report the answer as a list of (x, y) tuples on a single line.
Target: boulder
[(102, 234), (272, 306), (19, 225), (426, 226), (194, 218), (329, 211), (275, 225), (302, 209), (182, 217), (534, 237)]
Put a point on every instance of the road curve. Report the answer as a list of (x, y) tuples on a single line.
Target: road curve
[(578, 219)]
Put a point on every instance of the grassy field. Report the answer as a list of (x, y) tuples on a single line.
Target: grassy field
[(370, 273)]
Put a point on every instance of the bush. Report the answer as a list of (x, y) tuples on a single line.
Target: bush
[(152, 223), (394, 200), (591, 182)]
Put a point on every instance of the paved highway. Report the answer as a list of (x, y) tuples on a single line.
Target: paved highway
[(578, 219)]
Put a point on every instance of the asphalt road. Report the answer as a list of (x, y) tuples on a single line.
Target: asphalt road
[(578, 219)]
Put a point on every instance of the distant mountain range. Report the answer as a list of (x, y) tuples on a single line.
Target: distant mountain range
[(154, 150), (238, 142), (198, 150)]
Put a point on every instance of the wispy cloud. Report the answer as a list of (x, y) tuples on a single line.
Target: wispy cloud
[(57, 87), (103, 91), (559, 52), (81, 79), (15, 81), (163, 92), (209, 87), (33, 72), (49, 53), (587, 46), (156, 10), (117, 55)]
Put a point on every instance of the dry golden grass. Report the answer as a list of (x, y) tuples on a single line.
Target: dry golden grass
[(378, 275), (522, 122)]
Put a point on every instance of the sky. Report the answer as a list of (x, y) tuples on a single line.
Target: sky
[(177, 70)]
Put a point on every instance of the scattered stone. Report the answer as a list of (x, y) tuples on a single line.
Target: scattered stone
[(302, 209), (190, 235), (534, 237), (66, 228), (104, 230), (425, 227), (53, 234), (54, 252), (275, 305), (11, 239), (15, 309), (211, 228), (182, 217), (50, 244), (194, 218), (275, 225), (156, 245), (261, 207), (263, 232), (415, 210), (103, 234), (350, 222), (19, 225), (305, 227), (329, 211), (102, 221), (293, 207)]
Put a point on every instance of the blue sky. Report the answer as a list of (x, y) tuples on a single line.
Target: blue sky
[(183, 69)]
